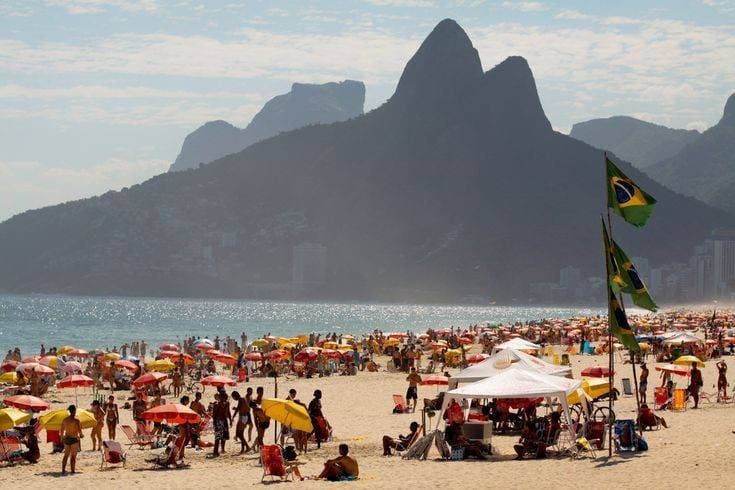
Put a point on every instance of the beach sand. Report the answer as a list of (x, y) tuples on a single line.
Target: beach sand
[(692, 453)]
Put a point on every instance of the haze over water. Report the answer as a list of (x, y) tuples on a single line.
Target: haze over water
[(87, 322)]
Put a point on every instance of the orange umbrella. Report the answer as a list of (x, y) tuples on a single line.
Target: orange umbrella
[(175, 357), (27, 402), (226, 359), (214, 353), (125, 364), (150, 379), (437, 380), (173, 413), (218, 381), (77, 353), (27, 367), (254, 356), (169, 347), (275, 353), (75, 381)]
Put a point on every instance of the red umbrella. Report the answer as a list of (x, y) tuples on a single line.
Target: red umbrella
[(169, 353), (27, 367), (226, 359), (254, 356), (676, 369), (597, 372), (334, 354), (475, 358), (75, 381), (214, 353), (465, 340), (8, 366), (72, 367), (305, 355), (150, 379), (172, 413), (275, 353), (27, 402), (77, 353), (169, 347), (434, 379), (125, 364), (218, 381)]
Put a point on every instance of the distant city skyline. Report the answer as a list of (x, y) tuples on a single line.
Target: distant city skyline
[(99, 94)]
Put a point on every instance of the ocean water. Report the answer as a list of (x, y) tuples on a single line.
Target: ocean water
[(102, 322)]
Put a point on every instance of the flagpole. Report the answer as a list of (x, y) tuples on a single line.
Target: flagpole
[(610, 359)]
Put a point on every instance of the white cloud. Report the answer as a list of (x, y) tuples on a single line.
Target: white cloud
[(402, 3), (573, 15), (698, 125), (721, 5), (526, 6), (12, 91), (29, 185), (99, 6)]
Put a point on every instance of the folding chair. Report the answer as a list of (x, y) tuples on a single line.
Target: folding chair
[(112, 453), (400, 404), (141, 440), (272, 460), (402, 449)]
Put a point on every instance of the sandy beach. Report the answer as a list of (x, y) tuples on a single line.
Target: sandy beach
[(691, 453)]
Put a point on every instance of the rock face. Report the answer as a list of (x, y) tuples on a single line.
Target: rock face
[(456, 187), (705, 168), (639, 142), (305, 104)]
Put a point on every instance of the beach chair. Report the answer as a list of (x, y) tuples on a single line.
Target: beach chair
[(627, 388), (142, 440), (402, 449), (112, 453), (172, 455), (271, 459), (626, 438), (10, 450), (400, 404), (661, 398), (679, 403)]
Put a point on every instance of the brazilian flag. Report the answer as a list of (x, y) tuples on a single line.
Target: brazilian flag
[(618, 322), (617, 283), (625, 198), (633, 284)]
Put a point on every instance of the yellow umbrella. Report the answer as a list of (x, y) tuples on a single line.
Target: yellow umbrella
[(288, 345), (52, 420), (330, 345), (113, 356), (50, 361), (63, 350), (10, 417), (161, 366), (288, 413), (688, 360), (344, 347), (9, 378), (391, 342), (259, 343), (348, 337), (592, 387)]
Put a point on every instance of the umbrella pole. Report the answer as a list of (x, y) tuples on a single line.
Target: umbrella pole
[(275, 424), (637, 397)]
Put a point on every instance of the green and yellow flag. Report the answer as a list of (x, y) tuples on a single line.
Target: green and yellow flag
[(625, 198), (613, 271), (632, 283), (618, 322)]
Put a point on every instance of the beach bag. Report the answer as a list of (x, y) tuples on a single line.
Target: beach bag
[(457, 454), (642, 444), (289, 453)]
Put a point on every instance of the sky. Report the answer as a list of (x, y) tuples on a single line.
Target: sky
[(99, 94)]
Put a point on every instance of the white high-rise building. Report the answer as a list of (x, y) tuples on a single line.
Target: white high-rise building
[(723, 261)]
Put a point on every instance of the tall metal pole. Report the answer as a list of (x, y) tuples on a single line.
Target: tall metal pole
[(610, 359)]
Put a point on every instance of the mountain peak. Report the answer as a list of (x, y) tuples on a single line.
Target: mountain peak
[(728, 115), (445, 64)]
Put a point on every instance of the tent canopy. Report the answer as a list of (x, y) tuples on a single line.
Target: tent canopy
[(503, 360), (517, 344), (682, 338), (517, 383)]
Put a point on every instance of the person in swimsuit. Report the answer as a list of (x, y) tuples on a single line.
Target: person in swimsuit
[(343, 467), (643, 384), (413, 379), (71, 435), (242, 412), (262, 421), (315, 412), (695, 383), (112, 416), (721, 381), (249, 423), (99, 416), (221, 421), (139, 406)]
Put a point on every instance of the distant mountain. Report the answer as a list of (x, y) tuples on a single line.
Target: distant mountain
[(457, 186), (305, 104), (705, 168), (639, 142)]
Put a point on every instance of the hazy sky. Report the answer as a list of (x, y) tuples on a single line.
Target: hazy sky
[(99, 94)]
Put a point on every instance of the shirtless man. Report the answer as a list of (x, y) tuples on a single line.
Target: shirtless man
[(643, 384), (343, 467), (221, 422), (412, 392), (71, 435), (721, 381), (249, 423), (99, 416), (242, 412)]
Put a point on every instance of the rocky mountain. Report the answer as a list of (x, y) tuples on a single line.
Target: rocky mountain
[(305, 104), (457, 186), (639, 142), (705, 168)]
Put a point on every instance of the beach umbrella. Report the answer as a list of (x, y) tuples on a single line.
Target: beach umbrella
[(475, 358), (306, 355), (397, 335), (330, 345), (112, 356), (96, 352), (172, 413), (8, 366), (218, 381), (9, 378), (125, 364), (150, 379), (255, 356), (688, 360), (203, 344), (259, 343), (673, 368), (169, 347), (434, 380), (75, 381), (288, 413), (162, 365), (332, 354), (214, 353), (72, 367), (78, 353), (27, 402), (226, 359), (53, 419), (188, 359), (49, 361), (29, 359), (28, 367), (167, 354), (596, 372), (465, 340), (11, 417), (275, 354), (64, 350)]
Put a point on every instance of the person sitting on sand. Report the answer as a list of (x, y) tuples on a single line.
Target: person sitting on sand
[(71, 435), (341, 468), (30, 439), (403, 441), (648, 420), (530, 443), (455, 438)]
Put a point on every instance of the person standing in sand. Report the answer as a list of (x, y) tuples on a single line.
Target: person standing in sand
[(695, 383), (241, 411), (412, 393), (99, 417), (721, 380), (71, 435), (112, 416), (643, 384), (221, 421)]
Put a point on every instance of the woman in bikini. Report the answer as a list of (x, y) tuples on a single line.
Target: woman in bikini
[(112, 416)]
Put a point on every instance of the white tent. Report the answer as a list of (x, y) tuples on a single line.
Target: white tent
[(516, 344), (682, 338), (518, 383), (501, 361)]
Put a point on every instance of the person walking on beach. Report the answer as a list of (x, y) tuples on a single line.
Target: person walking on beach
[(643, 384), (412, 393), (99, 417), (695, 383), (721, 380), (112, 416), (317, 417), (221, 421), (241, 411), (71, 435)]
